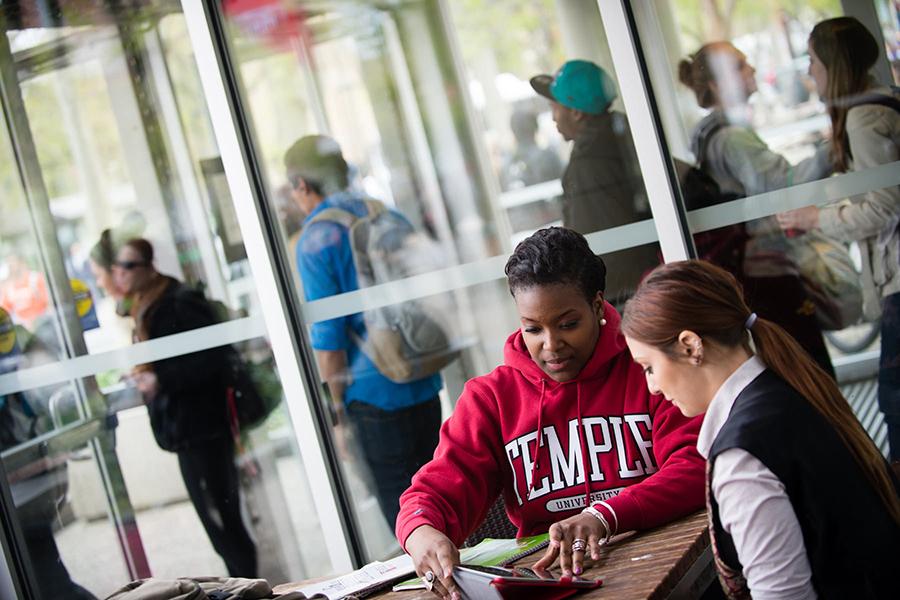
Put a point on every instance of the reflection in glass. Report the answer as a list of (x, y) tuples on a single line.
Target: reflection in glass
[(381, 369), (43, 445), (378, 82), (121, 146), (602, 186), (741, 164), (865, 118), (186, 398), (523, 147)]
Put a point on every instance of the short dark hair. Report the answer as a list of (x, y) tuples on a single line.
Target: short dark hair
[(143, 247), (317, 159), (556, 255)]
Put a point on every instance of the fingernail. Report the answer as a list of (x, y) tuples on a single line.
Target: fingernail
[(578, 570), (455, 596)]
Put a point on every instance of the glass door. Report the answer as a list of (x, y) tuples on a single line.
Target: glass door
[(143, 423)]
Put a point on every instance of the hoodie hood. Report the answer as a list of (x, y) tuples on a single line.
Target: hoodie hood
[(610, 345)]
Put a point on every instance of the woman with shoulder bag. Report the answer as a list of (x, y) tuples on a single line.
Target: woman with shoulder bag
[(865, 122)]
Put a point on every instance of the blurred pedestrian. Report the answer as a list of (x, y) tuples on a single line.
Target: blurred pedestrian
[(186, 398), (602, 184), (730, 151), (865, 122), (396, 424), (24, 292), (529, 163)]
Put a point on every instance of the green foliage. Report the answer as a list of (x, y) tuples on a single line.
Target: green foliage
[(701, 21), (13, 199), (55, 156), (522, 34)]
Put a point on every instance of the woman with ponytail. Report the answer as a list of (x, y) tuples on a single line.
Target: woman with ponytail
[(865, 123), (801, 503), (729, 151)]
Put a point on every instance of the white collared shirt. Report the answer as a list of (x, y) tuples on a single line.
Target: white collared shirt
[(753, 505)]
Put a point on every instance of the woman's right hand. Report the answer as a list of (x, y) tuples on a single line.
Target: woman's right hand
[(432, 551)]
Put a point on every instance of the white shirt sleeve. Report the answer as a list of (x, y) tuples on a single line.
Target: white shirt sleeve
[(755, 509)]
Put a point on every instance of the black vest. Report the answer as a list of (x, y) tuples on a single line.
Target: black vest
[(851, 540)]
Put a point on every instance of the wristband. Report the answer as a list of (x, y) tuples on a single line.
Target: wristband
[(614, 515), (599, 516)]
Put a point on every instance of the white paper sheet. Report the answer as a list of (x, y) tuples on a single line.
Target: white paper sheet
[(371, 574)]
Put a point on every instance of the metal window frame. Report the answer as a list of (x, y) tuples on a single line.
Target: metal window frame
[(274, 283), (282, 312), (645, 120)]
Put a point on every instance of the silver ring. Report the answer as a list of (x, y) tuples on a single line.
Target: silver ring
[(428, 578), (578, 545)]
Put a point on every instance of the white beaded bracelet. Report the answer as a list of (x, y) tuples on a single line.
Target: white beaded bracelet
[(614, 516), (599, 515)]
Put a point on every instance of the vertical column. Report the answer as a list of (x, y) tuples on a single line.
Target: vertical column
[(435, 67), (284, 331), (655, 21), (144, 146), (582, 32), (649, 140)]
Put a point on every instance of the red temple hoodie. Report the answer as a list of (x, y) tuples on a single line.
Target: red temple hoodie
[(603, 436)]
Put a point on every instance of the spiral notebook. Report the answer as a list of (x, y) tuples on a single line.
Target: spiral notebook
[(490, 552)]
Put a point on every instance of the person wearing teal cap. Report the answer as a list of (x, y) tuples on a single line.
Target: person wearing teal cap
[(580, 86), (602, 185)]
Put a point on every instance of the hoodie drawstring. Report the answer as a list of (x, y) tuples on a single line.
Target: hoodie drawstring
[(538, 441), (583, 443)]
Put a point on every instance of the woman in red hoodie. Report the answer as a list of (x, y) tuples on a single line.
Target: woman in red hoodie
[(611, 457)]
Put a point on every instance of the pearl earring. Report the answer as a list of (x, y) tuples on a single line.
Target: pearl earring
[(602, 321)]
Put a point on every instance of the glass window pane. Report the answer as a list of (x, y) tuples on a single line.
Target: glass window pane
[(751, 113), (419, 107), (160, 452)]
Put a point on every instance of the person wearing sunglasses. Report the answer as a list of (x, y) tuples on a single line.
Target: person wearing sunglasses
[(185, 398)]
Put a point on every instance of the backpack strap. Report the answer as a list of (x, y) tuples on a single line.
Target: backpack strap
[(375, 207), (336, 215), (877, 99), (888, 101), (703, 138), (347, 218)]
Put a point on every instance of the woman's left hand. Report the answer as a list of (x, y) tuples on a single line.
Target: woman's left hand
[(804, 219), (563, 534)]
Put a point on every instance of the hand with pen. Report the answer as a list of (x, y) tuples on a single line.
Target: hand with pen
[(434, 557)]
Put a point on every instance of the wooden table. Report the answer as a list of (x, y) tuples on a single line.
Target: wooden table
[(673, 561)]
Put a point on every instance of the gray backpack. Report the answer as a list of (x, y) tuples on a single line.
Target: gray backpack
[(406, 341)]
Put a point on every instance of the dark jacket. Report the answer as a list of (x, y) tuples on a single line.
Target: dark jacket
[(602, 188), (190, 405), (851, 540)]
